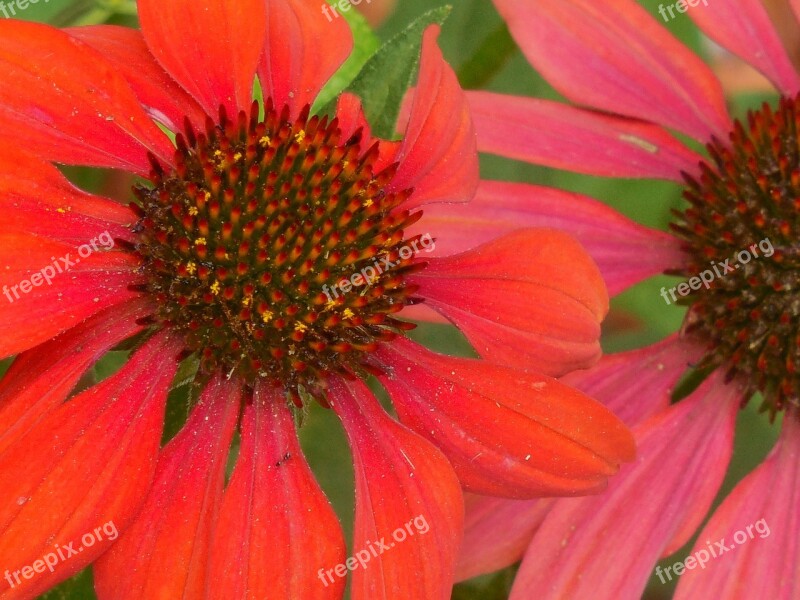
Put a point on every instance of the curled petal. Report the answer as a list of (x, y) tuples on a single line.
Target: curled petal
[(532, 299), (506, 432)]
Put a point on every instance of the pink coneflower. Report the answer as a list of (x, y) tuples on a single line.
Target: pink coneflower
[(274, 246), (635, 85)]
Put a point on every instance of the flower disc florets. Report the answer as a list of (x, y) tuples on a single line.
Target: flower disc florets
[(245, 241)]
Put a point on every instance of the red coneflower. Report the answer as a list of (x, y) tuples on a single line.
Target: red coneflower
[(637, 83), (243, 249)]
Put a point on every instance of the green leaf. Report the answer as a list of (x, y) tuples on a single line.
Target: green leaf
[(386, 77), (366, 44), (80, 587), (489, 59)]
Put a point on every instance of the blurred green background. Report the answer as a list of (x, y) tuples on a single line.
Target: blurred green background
[(477, 44)]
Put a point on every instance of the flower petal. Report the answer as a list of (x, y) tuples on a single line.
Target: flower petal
[(615, 57), (77, 293), (407, 497), (352, 119), (496, 532), (438, 157), (275, 529), (507, 432), (531, 299), (211, 48), (39, 380), (303, 50), (83, 471), (553, 134), (759, 526), (163, 99), (610, 542), (745, 29), (618, 379), (625, 251), (36, 198), (164, 553), (69, 104)]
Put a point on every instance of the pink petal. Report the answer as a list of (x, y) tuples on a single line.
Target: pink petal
[(497, 532), (611, 542), (164, 553), (275, 529), (517, 305), (303, 50), (615, 57), (438, 157), (564, 137), (163, 99), (69, 104), (759, 525), (407, 496), (211, 48), (618, 379), (83, 471), (625, 251), (745, 28), (505, 431)]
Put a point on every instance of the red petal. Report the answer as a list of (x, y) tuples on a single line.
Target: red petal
[(276, 530), (352, 119), (507, 432), (164, 554), (745, 29), (83, 471), (26, 320), (615, 57), (496, 532), (564, 137), (163, 99), (625, 251), (40, 379), (68, 103), (303, 50), (407, 497), (758, 524), (518, 304), (439, 157), (612, 541), (211, 48), (36, 198)]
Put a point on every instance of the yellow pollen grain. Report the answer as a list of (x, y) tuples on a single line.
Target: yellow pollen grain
[(330, 305), (193, 210), (237, 157), (200, 242), (265, 141), (64, 210), (218, 154), (215, 288), (367, 203), (348, 314), (247, 300), (267, 316), (191, 268), (301, 135), (208, 196), (298, 326)]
